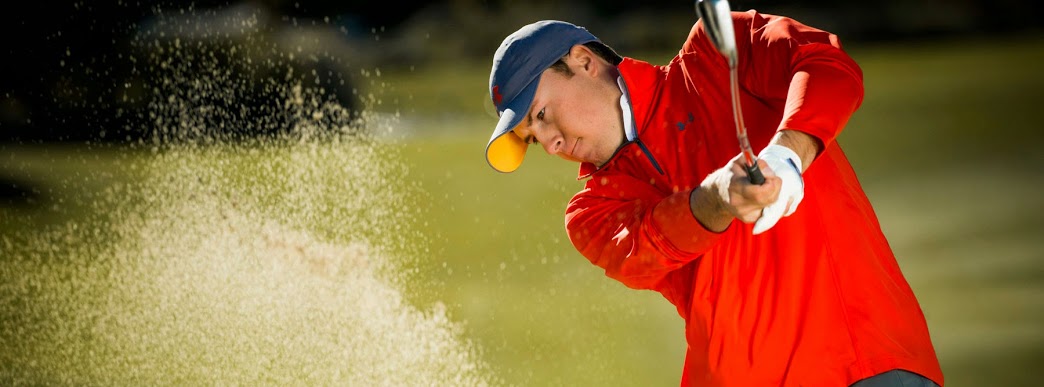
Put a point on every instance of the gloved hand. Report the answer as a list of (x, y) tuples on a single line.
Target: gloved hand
[(787, 165)]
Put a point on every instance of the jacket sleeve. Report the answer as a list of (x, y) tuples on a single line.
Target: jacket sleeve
[(782, 59), (637, 234)]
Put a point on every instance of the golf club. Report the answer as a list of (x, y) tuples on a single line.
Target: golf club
[(717, 22)]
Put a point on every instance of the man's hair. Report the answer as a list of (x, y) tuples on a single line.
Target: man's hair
[(600, 49)]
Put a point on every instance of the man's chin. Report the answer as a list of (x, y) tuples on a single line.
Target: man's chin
[(574, 159)]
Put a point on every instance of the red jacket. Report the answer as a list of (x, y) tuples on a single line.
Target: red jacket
[(818, 300)]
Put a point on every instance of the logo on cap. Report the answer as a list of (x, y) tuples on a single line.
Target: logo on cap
[(496, 96)]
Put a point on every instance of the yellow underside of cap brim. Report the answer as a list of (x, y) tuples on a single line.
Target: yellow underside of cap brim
[(506, 152)]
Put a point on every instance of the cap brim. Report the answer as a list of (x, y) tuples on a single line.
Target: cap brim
[(505, 153), (505, 150)]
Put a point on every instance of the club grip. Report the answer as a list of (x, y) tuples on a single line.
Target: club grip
[(754, 172)]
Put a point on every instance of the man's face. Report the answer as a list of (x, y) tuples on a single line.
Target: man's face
[(576, 117)]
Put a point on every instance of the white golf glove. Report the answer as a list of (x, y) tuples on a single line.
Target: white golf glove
[(787, 165)]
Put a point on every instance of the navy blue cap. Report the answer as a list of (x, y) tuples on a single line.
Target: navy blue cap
[(517, 66)]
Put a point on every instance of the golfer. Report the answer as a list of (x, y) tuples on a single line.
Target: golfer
[(787, 283)]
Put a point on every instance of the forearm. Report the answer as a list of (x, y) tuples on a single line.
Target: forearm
[(707, 208), (805, 145), (635, 244), (822, 97)]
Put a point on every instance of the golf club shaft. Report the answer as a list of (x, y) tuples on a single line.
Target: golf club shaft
[(717, 24), (751, 161)]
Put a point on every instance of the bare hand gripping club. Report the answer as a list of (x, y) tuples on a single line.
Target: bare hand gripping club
[(717, 22)]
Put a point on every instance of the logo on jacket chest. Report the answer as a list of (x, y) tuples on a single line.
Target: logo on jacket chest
[(685, 122)]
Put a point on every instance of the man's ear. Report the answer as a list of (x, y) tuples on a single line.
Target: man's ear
[(583, 58)]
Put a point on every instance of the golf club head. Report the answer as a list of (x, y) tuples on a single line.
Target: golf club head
[(717, 22)]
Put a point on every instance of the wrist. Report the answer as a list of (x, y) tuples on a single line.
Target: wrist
[(806, 146)]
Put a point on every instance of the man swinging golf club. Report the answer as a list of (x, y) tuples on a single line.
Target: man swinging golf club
[(783, 282)]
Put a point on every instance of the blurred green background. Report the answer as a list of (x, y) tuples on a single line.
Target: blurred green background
[(946, 145)]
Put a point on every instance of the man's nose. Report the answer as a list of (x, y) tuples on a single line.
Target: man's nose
[(552, 144), (550, 139)]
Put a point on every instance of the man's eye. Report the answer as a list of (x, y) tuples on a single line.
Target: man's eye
[(540, 116)]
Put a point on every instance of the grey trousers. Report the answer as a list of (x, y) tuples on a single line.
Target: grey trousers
[(896, 378)]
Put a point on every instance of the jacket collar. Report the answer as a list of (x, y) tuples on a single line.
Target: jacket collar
[(630, 132), (638, 83)]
